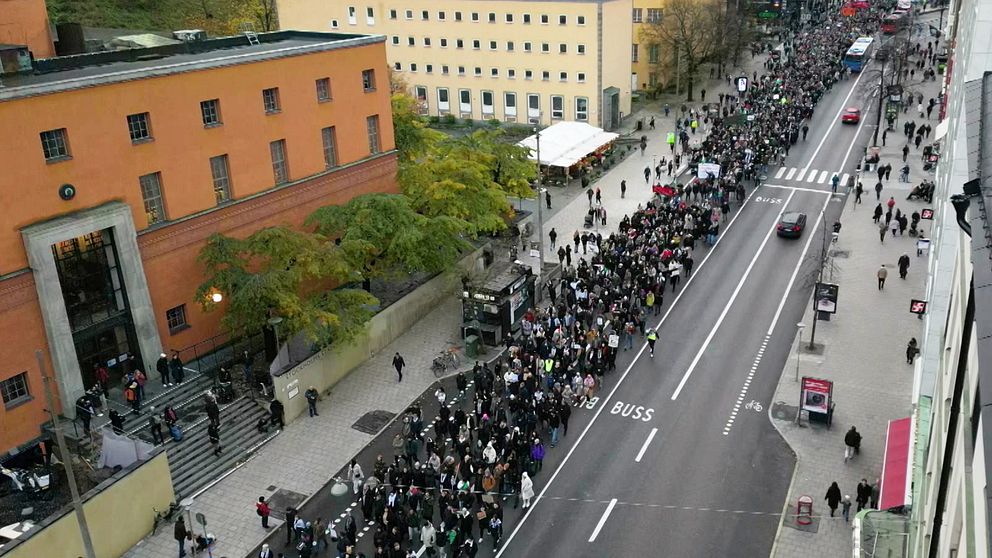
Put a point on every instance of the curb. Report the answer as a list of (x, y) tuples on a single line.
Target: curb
[(792, 483)]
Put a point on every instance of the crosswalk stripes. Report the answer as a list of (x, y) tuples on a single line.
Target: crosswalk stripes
[(811, 176), (792, 171), (801, 174), (823, 177), (844, 179), (780, 172)]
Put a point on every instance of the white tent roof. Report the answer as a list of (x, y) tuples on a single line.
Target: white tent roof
[(566, 143)]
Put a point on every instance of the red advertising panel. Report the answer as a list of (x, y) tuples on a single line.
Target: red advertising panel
[(816, 395)]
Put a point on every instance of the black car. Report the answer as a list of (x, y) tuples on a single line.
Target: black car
[(791, 224)]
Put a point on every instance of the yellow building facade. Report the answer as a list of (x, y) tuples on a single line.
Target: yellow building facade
[(516, 61), (648, 61)]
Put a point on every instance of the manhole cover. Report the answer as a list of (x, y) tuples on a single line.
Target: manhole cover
[(784, 411), (282, 499), (373, 421)]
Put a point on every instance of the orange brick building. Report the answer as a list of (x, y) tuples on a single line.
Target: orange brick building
[(117, 167)]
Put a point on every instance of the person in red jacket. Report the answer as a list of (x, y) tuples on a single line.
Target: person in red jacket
[(263, 511)]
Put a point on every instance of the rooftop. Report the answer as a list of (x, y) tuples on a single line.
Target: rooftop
[(64, 73)]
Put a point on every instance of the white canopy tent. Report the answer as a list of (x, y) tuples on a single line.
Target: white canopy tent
[(566, 143)]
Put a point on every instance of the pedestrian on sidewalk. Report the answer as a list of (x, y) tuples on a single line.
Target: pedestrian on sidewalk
[(277, 413), (852, 444), (651, 123), (181, 535), (290, 516), (213, 433), (903, 266), (846, 508), (904, 174), (589, 193), (599, 196), (623, 188), (857, 193), (875, 488), (399, 363), (263, 510), (905, 152), (833, 497), (553, 235), (878, 213), (882, 273), (644, 144), (882, 229), (266, 552), (864, 494), (912, 349), (885, 134), (888, 171), (213, 410), (312, 396), (878, 191), (547, 197)]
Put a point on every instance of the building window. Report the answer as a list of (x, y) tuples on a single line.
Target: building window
[(654, 53), (334, 24), (509, 46), (459, 43), (409, 14), (545, 75), (280, 167), (372, 125), (652, 80), (329, 137), (151, 194), (488, 103), (527, 47), (544, 19), (562, 76), (533, 106), (475, 16), (444, 43), (139, 127), (545, 47), (581, 49), (444, 69), (461, 70), (458, 16), (562, 48), (396, 40), (442, 100), (429, 68), (15, 390), (478, 71), (509, 18), (210, 112), (492, 45), (492, 17), (323, 89), (633, 52), (511, 73), (425, 15), (413, 67), (420, 93), (222, 178), (55, 144), (176, 318), (510, 104), (369, 16), (392, 14), (398, 66), (368, 80), (581, 109), (427, 41), (636, 16), (654, 15), (352, 16), (580, 77), (476, 44), (581, 20), (527, 19), (562, 20), (528, 74), (465, 101), (440, 16), (557, 107), (410, 41), (494, 72), (270, 100)]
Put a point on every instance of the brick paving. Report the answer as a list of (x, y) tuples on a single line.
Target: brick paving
[(863, 354)]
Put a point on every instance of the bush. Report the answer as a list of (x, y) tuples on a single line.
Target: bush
[(468, 122), (449, 119), (494, 123), (434, 120)]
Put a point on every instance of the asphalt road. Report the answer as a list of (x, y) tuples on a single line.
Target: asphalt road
[(704, 473), (712, 478)]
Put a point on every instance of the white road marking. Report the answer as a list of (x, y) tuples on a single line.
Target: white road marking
[(802, 173), (823, 177), (602, 520), (795, 271), (812, 177), (733, 298), (623, 377), (780, 172), (647, 443), (797, 188), (836, 117), (844, 179), (792, 171)]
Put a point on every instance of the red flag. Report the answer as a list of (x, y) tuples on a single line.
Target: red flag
[(667, 191)]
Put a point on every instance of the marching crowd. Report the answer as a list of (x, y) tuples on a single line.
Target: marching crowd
[(451, 476)]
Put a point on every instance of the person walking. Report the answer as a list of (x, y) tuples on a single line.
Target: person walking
[(845, 506), (863, 494), (263, 510), (213, 410), (905, 152), (882, 274), (176, 368), (181, 535), (547, 197), (312, 396), (878, 191), (589, 193), (883, 227), (266, 552), (878, 213), (162, 366), (355, 476), (85, 412), (213, 433), (623, 189), (155, 427), (903, 266), (833, 497), (553, 235), (852, 444), (526, 489), (912, 349), (290, 516), (857, 192), (399, 363)]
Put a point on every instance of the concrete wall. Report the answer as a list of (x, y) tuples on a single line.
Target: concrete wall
[(326, 368), (118, 511)]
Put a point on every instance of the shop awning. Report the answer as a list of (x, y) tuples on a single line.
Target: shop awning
[(897, 465), (566, 143), (941, 130)]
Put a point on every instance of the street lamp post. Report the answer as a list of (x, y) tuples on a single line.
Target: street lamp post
[(878, 115), (819, 279), (799, 345), (540, 213)]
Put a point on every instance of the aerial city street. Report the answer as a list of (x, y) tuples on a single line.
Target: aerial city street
[(299, 278)]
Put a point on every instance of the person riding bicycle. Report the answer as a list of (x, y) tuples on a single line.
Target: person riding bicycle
[(652, 336)]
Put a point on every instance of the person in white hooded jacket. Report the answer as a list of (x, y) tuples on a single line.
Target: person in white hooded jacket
[(428, 537), (526, 489)]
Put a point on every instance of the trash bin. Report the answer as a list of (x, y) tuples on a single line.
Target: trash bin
[(472, 346)]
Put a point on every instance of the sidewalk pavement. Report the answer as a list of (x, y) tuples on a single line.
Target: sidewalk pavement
[(863, 353), (310, 451)]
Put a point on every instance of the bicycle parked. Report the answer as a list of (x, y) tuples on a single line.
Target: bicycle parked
[(443, 361)]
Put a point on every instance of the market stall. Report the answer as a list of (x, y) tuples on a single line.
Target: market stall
[(569, 148)]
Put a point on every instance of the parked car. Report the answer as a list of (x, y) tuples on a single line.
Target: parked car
[(791, 224), (851, 115)]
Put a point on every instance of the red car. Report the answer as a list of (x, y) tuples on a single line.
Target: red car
[(851, 116)]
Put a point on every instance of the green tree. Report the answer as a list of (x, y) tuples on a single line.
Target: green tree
[(692, 30), (382, 236), (508, 163), (443, 186), (412, 136), (278, 271)]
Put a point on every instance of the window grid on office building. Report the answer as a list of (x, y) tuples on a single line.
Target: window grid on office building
[(210, 112), (221, 173), (280, 169), (151, 195), (138, 127), (54, 144), (329, 137), (372, 125), (15, 389)]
